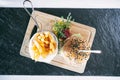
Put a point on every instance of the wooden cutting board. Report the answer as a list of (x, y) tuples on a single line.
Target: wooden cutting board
[(45, 20)]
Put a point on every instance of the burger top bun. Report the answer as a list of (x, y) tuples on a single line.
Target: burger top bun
[(70, 50)]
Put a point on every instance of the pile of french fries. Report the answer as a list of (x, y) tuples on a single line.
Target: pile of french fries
[(43, 44)]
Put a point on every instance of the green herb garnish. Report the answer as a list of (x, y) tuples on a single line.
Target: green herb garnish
[(61, 28)]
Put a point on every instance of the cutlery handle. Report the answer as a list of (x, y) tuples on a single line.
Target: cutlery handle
[(91, 51)]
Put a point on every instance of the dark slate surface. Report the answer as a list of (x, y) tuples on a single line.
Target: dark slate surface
[(13, 24)]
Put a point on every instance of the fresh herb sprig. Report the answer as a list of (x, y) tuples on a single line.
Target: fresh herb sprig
[(61, 27)]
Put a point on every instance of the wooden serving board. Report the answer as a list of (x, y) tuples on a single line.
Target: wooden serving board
[(44, 19)]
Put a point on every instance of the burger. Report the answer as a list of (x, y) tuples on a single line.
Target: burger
[(70, 50)]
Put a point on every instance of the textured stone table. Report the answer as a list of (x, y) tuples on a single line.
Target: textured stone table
[(13, 24)]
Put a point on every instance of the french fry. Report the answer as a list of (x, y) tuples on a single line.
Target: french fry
[(38, 46)]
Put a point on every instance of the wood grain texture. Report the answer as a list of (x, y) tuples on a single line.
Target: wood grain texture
[(44, 19)]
